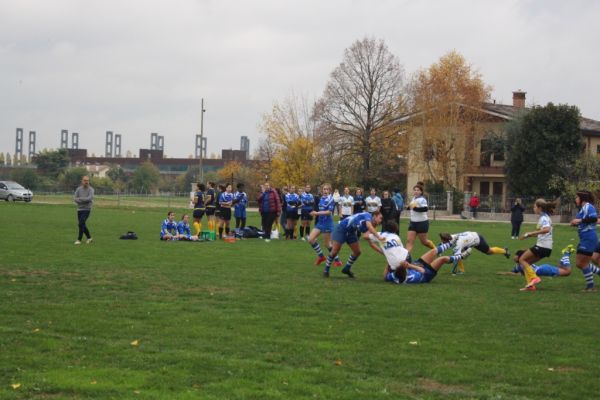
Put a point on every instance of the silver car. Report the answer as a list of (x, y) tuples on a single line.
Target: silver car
[(11, 191)]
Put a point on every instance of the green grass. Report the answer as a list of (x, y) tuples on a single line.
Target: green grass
[(255, 320)]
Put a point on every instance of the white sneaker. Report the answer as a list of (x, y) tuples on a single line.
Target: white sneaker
[(88, 241), (267, 240), (77, 242), (303, 239)]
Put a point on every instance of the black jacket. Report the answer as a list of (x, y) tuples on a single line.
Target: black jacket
[(516, 213)]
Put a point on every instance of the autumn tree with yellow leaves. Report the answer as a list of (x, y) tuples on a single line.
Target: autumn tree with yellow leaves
[(445, 127), (289, 143)]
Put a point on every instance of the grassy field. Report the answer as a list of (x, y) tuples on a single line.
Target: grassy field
[(254, 320)]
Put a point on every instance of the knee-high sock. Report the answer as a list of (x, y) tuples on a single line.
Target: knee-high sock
[(528, 271), (442, 247), (197, 228), (461, 266), (350, 262), (430, 244), (337, 258), (317, 248), (497, 250), (328, 263), (588, 275), (221, 232)]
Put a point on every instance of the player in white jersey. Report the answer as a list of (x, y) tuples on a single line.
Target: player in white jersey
[(419, 222), (543, 246), (391, 247), (466, 240), (373, 202), (345, 204)]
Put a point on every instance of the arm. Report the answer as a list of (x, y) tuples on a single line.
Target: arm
[(542, 231), (373, 231), (407, 265)]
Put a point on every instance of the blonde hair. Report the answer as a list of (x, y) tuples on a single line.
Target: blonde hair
[(546, 206)]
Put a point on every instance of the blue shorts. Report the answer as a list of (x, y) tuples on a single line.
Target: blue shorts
[(325, 227), (239, 213), (342, 235), (587, 246), (425, 277)]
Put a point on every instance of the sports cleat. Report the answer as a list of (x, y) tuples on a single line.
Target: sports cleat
[(337, 263), (77, 242), (534, 281), (89, 241), (589, 289), (506, 252), (325, 274), (267, 240), (528, 289), (320, 260), (569, 249), (348, 272), (454, 267)]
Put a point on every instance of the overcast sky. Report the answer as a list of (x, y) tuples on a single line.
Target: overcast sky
[(136, 67)]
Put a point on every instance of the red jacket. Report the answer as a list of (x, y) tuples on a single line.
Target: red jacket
[(474, 202), (274, 201)]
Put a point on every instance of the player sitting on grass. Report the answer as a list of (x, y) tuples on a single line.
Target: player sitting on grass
[(183, 229), (424, 269), (168, 230), (562, 269), (466, 240)]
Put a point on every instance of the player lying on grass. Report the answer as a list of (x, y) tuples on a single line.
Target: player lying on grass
[(400, 270), (466, 240), (562, 269)]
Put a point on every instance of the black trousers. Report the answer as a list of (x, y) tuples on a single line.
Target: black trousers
[(82, 216), (267, 223), (516, 228)]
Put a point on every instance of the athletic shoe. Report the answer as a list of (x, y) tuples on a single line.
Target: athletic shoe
[(589, 289), (569, 249), (528, 289), (267, 240), (89, 241), (348, 272), (320, 260), (532, 283), (325, 274), (506, 252), (304, 239), (77, 242), (337, 263)]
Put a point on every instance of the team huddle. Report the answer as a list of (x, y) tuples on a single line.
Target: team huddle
[(360, 216)]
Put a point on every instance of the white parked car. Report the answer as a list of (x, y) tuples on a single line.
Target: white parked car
[(11, 191)]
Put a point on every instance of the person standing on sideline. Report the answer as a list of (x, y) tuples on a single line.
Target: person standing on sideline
[(388, 208), (346, 203), (474, 205), (84, 197), (516, 218), (359, 201), (240, 203), (269, 206), (399, 200), (373, 202)]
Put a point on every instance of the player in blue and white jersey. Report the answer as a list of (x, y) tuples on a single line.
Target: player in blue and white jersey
[(240, 203), (168, 230), (585, 221), (199, 208), (419, 222), (292, 205), (562, 269), (307, 201), (323, 225), (348, 231), (183, 229), (543, 246), (225, 203), (359, 201)]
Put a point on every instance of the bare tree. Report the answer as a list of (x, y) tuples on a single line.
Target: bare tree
[(361, 100)]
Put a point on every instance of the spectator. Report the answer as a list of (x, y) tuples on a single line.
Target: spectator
[(269, 206), (84, 197), (516, 218), (397, 196), (474, 204), (388, 208)]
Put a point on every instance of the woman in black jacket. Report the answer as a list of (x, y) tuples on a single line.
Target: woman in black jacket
[(516, 218), (388, 208)]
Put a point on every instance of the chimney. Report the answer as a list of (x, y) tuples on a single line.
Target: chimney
[(519, 99)]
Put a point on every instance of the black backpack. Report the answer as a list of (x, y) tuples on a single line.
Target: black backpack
[(251, 232), (129, 236)]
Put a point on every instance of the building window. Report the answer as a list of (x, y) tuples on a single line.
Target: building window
[(491, 150), (598, 149), (484, 188), (498, 188)]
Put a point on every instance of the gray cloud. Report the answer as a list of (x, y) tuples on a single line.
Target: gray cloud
[(136, 67)]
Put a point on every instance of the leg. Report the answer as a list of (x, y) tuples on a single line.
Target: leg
[(410, 240), (312, 240), (355, 247), (426, 242), (587, 268), (525, 262)]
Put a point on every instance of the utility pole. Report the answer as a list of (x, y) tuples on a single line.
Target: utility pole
[(202, 139)]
